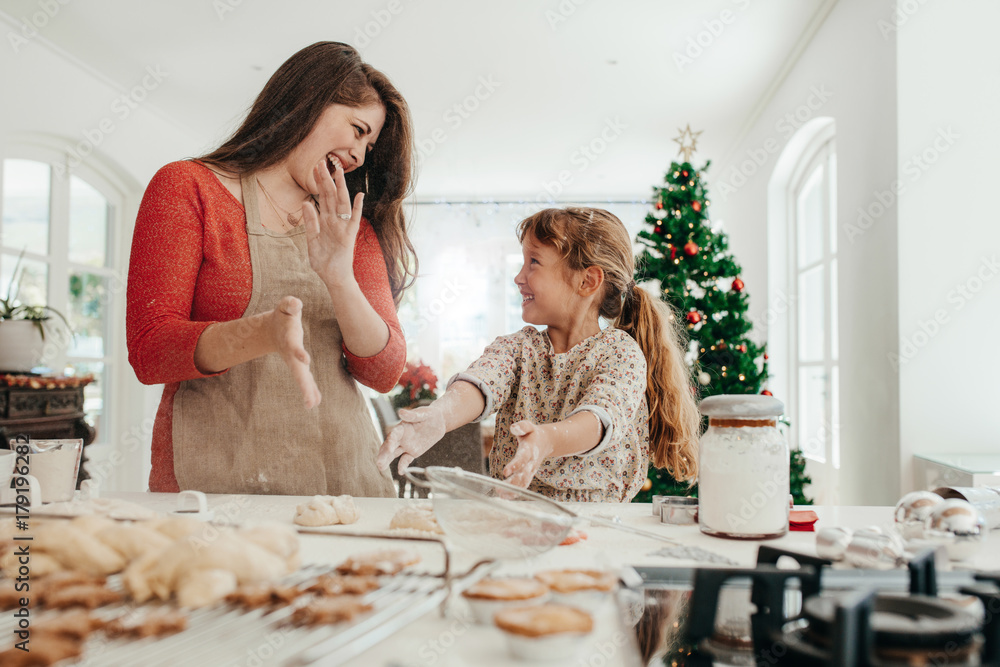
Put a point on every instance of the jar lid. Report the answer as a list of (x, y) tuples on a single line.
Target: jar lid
[(741, 405)]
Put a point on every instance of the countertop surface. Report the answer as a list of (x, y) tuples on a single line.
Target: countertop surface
[(448, 637)]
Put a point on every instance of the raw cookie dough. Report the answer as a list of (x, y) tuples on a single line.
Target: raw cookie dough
[(326, 511)]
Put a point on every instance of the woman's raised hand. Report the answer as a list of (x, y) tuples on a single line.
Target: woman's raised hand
[(533, 447), (331, 232), (419, 430), (285, 327)]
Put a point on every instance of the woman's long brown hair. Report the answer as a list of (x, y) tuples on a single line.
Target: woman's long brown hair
[(593, 237), (286, 111)]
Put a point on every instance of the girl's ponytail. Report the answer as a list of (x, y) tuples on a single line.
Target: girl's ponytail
[(674, 420)]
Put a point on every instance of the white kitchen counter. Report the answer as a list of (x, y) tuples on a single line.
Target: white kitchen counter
[(451, 640)]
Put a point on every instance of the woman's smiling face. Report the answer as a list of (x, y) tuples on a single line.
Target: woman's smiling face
[(341, 134)]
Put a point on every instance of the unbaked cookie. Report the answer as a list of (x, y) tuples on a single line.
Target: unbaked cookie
[(326, 511), (416, 517)]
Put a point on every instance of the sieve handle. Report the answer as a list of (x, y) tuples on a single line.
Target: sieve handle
[(593, 520), (410, 472)]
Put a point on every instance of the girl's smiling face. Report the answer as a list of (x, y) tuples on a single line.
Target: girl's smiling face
[(341, 134), (548, 296)]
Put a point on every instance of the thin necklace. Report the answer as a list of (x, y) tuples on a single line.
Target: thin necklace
[(291, 220)]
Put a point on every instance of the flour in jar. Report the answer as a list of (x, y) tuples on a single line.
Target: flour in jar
[(745, 492)]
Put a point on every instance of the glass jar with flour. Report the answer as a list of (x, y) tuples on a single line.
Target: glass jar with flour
[(743, 486)]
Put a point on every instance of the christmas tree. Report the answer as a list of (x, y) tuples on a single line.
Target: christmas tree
[(700, 279)]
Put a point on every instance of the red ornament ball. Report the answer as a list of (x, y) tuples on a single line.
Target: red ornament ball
[(684, 174), (691, 248), (738, 285), (694, 317), (767, 392), (659, 205), (743, 348), (696, 205), (766, 357), (657, 229)]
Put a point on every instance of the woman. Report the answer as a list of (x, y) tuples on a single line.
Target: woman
[(258, 293)]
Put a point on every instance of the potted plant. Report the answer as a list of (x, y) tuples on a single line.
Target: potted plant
[(418, 384), (23, 328)]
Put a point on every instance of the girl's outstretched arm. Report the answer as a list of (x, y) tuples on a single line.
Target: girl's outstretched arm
[(536, 442), (421, 428)]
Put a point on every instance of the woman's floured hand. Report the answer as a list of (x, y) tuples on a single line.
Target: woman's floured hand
[(533, 447), (419, 430), (286, 334)]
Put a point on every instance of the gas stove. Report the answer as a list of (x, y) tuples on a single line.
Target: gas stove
[(798, 610)]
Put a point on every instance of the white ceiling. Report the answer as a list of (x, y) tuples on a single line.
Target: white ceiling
[(564, 67)]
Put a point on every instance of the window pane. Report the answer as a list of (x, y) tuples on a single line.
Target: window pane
[(833, 203), (835, 416), (811, 304), (88, 224), (834, 319), (809, 217), (812, 413), (88, 295), (93, 393), (26, 186), (32, 284)]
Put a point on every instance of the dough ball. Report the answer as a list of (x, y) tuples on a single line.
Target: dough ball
[(326, 511), (416, 517), (202, 588)]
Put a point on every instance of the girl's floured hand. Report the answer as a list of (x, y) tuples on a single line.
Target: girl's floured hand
[(419, 430), (533, 447)]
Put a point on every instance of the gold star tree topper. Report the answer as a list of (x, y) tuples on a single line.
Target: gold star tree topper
[(686, 135)]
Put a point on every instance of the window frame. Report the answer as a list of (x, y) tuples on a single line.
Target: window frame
[(113, 189)]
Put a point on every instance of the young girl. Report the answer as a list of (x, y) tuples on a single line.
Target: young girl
[(581, 409)]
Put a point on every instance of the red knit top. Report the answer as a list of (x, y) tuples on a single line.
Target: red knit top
[(190, 267)]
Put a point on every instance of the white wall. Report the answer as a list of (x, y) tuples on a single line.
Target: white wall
[(51, 101), (949, 232), (847, 72)]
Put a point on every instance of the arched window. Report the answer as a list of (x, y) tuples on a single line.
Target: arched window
[(64, 224), (802, 243)]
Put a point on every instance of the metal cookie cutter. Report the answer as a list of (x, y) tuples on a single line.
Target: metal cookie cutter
[(200, 510)]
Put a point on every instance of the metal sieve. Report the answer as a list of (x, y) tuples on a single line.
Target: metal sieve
[(499, 520)]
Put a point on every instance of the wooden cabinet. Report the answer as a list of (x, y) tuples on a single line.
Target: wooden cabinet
[(44, 408)]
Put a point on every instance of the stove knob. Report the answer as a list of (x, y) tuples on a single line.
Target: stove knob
[(912, 511), (957, 526)]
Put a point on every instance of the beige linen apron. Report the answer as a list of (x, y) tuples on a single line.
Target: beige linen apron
[(247, 430)]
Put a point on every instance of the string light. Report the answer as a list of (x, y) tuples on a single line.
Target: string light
[(742, 378)]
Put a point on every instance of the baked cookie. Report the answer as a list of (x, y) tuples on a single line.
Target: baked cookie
[(376, 563), (327, 610), (153, 624), (254, 596), (544, 620), (343, 584)]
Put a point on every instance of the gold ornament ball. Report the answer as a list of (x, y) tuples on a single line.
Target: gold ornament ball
[(647, 485)]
